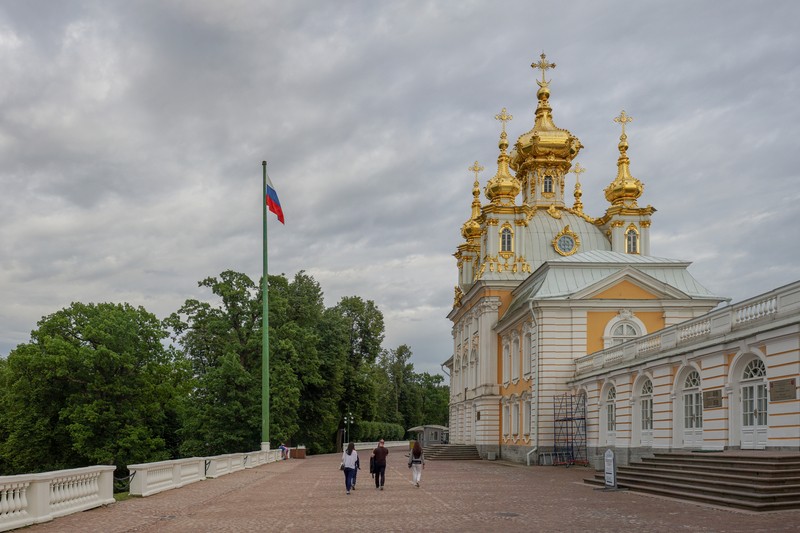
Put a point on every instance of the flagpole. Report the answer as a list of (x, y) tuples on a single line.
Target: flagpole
[(264, 326)]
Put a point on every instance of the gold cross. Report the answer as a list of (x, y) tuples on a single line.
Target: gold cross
[(543, 65), (475, 168), (578, 170), (504, 117), (623, 119)]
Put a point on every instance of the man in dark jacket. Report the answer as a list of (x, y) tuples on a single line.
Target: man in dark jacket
[(379, 455)]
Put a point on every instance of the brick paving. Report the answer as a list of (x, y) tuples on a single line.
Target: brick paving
[(465, 496)]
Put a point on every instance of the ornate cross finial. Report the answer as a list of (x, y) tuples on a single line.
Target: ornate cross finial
[(475, 168), (543, 65), (578, 170), (503, 117), (623, 119)]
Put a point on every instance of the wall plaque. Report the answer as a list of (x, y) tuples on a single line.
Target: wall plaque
[(782, 389), (712, 399)]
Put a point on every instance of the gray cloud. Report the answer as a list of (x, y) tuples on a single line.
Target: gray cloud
[(132, 134)]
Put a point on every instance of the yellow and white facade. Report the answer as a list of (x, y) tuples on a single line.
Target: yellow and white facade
[(542, 286)]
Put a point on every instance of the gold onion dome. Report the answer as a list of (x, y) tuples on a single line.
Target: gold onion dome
[(503, 187), (545, 141), (625, 189), (471, 229)]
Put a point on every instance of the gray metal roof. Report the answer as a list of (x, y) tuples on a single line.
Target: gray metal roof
[(561, 278)]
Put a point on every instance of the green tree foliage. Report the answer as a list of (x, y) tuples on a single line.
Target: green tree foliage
[(365, 333), (94, 386), (97, 385), (222, 414)]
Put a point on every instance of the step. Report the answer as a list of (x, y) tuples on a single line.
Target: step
[(713, 499), (692, 489), (741, 485), (754, 470)]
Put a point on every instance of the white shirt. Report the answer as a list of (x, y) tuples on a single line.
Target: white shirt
[(350, 460)]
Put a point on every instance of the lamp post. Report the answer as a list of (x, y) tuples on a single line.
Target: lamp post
[(348, 419)]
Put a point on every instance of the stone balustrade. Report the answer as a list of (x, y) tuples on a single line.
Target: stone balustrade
[(34, 498)]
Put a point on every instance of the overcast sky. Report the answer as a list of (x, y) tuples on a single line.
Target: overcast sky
[(132, 135)]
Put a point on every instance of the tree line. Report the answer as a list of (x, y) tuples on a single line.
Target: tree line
[(110, 383)]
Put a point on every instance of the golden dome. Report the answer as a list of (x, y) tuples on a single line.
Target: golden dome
[(503, 187), (625, 189), (545, 140), (471, 229)]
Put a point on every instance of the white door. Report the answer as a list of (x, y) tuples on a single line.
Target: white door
[(692, 419), (754, 416)]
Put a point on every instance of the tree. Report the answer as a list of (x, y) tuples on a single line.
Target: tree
[(222, 414), (365, 335), (94, 386)]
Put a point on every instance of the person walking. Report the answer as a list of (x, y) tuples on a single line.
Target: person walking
[(355, 473), (416, 462), (379, 455), (349, 459)]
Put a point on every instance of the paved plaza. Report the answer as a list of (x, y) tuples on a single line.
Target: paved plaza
[(465, 496)]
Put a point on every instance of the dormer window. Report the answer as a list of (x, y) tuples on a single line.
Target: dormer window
[(631, 240), (547, 186)]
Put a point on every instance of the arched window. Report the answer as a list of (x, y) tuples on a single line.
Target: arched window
[(754, 369), (527, 355), (754, 394), (526, 416), (506, 364), (624, 331), (692, 402), (506, 240), (631, 241), (647, 405), (506, 415), (548, 184), (515, 418), (611, 410), (515, 359)]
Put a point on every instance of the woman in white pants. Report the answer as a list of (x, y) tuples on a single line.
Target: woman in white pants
[(416, 462)]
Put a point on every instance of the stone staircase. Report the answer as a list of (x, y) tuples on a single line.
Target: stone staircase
[(450, 452), (755, 482)]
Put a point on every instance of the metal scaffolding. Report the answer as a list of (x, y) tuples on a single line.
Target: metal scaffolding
[(569, 447)]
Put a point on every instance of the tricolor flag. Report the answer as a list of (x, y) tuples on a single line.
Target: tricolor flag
[(273, 204)]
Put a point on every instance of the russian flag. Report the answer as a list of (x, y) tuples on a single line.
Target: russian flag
[(273, 204)]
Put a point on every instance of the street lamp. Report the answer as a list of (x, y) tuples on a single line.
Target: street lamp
[(348, 419)]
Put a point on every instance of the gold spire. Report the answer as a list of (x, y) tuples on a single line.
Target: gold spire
[(471, 229), (578, 170), (625, 189), (503, 187)]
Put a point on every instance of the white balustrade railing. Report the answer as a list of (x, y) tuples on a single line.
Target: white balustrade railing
[(34, 498), (693, 329), (782, 302), (152, 478), (750, 311)]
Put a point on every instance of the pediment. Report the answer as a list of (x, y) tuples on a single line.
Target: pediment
[(630, 284)]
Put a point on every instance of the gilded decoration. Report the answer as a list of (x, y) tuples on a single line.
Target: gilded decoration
[(553, 212), (459, 294), (645, 223), (566, 242)]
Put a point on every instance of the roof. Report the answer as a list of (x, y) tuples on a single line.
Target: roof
[(568, 276)]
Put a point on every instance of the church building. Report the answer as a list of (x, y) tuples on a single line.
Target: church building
[(566, 329)]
